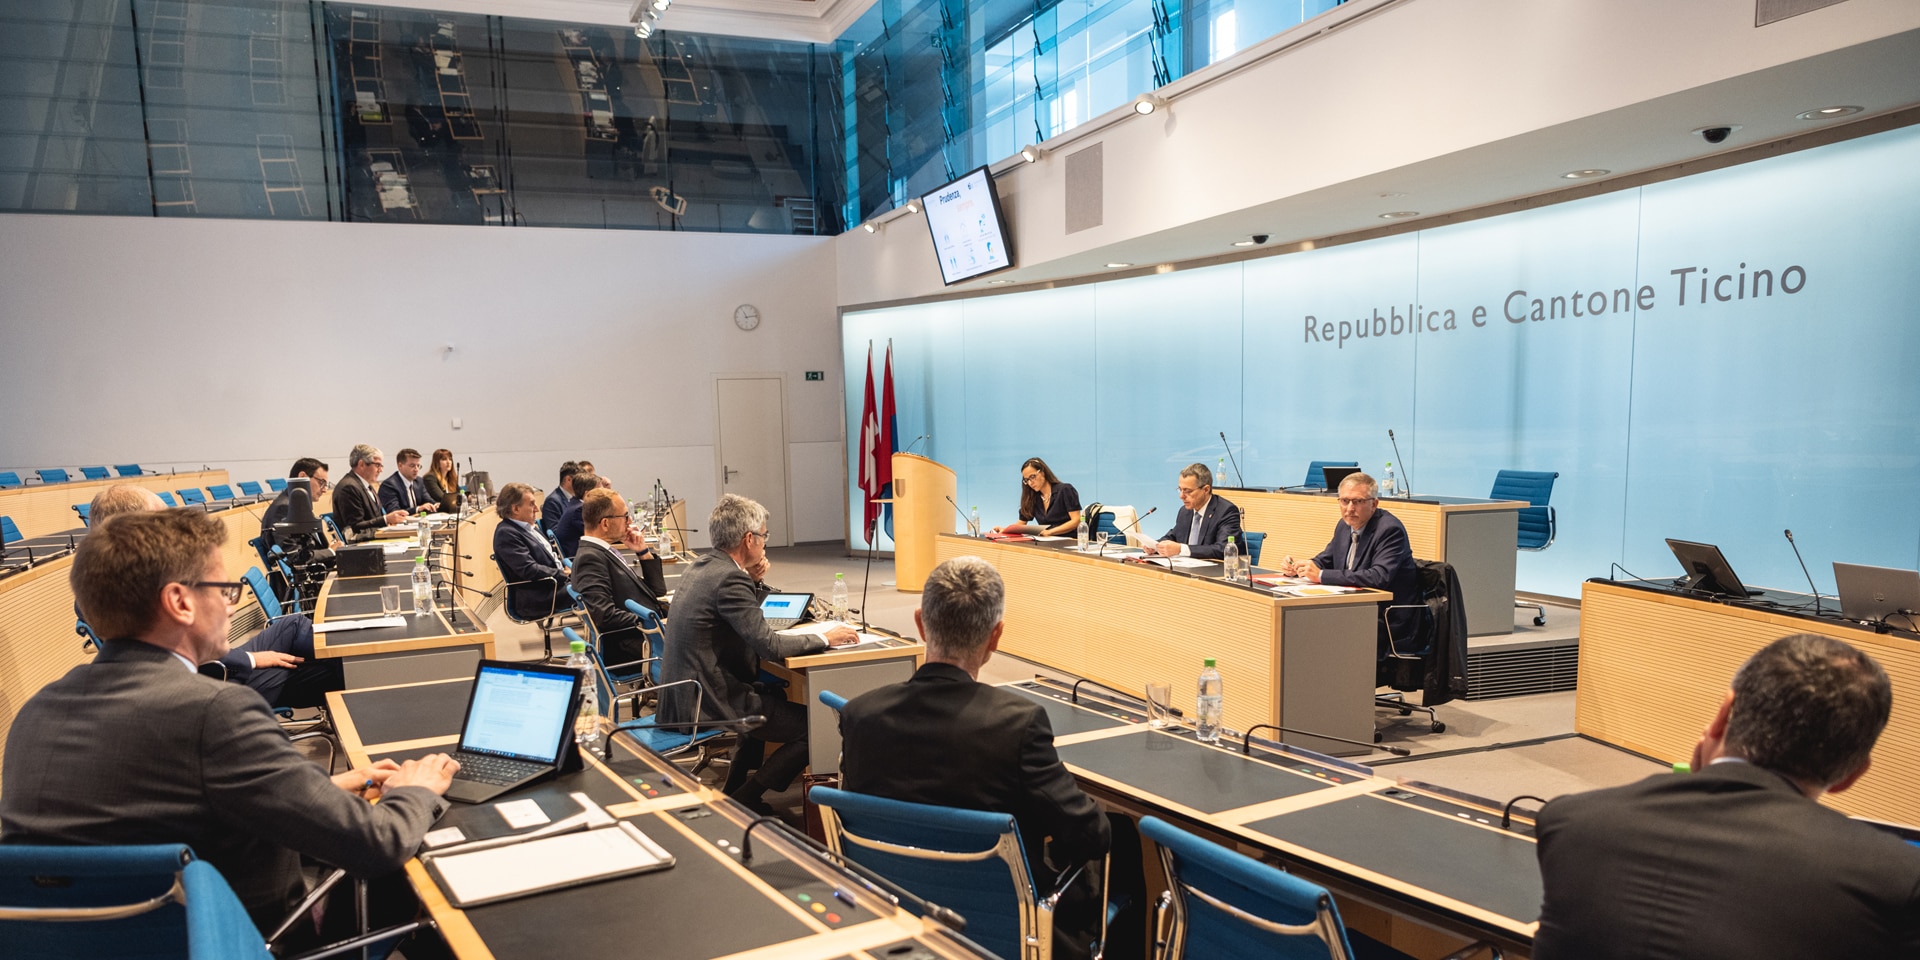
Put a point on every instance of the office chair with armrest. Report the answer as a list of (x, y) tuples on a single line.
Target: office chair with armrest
[(276, 484), (557, 617), (85, 510), (54, 475), (834, 700), (192, 497), (128, 470), (667, 743), (656, 633), (252, 489), (94, 473), (10, 479), (629, 674), (1315, 478), (1254, 541), (166, 498), (1539, 525), (1433, 658), (8, 531), (270, 604), (1220, 903)]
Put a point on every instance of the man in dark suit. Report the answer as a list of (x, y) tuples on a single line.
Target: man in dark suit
[(605, 580), (559, 497), (945, 738), (136, 747), (718, 636), (356, 508), (1369, 549), (1205, 521), (1738, 859), (535, 576), (403, 490), (277, 511), (568, 529)]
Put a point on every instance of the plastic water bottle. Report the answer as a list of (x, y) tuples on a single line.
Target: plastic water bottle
[(1231, 561), (422, 588), (586, 725), (973, 522), (1210, 706), (1390, 484), (840, 597), (1080, 536)]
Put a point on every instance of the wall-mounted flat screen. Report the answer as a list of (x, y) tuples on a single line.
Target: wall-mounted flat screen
[(969, 235)]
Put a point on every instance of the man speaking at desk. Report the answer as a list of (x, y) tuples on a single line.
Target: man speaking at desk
[(1205, 521), (1369, 549)]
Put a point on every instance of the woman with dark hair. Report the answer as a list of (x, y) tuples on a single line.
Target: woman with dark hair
[(1048, 508), (443, 480)]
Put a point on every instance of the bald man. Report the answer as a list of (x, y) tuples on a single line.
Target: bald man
[(278, 662)]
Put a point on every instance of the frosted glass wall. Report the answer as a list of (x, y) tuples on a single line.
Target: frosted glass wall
[(1596, 338)]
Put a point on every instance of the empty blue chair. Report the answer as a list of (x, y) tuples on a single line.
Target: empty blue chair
[(220, 491), (191, 496), (145, 901), (1315, 478), (263, 593), (9, 479), (94, 473), (128, 469), (666, 743), (1223, 904), (84, 510), (1103, 522), (53, 475), (8, 531), (1538, 523), (276, 484), (252, 488), (1255, 540), (166, 498)]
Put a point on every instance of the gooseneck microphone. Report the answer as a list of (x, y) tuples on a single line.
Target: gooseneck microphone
[(1236, 463), (916, 442), (1406, 487), (1136, 520), (1246, 740), (972, 531), (1803, 571)]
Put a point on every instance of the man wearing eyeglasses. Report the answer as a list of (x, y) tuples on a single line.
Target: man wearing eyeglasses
[(1205, 521), (1369, 549), (136, 747), (281, 508), (356, 507)]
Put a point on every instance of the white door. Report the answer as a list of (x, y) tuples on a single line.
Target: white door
[(753, 447)]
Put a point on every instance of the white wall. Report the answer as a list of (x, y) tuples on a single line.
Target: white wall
[(246, 344)]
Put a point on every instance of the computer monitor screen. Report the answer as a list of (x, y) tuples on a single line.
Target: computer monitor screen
[(1708, 571), (519, 711), (969, 234), (785, 606), (1335, 475)]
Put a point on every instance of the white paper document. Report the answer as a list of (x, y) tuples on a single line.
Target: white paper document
[(814, 628), (334, 625), (566, 860)]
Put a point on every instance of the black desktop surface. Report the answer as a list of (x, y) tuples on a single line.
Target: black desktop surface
[(1421, 848), (348, 586), (1067, 719), (1204, 778), (412, 712), (359, 604)]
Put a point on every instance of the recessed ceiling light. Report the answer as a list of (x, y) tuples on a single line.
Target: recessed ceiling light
[(1828, 113), (1117, 265), (913, 206), (1243, 243), (1399, 214), (1586, 174), (868, 227), (1147, 103)]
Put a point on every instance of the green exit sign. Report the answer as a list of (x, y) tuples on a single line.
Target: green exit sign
[(816, 374)]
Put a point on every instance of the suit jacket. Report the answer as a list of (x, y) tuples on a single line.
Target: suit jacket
[(718, 636), (1222, 520), (552, 507), (606, 583), (1727, 862), (1385, 562), (944, 738), (393, 494), (133, 748), (570, 528), (526, 561), (357, 508)]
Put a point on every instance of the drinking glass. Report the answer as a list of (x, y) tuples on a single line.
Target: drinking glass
[(1159, 704), (389, 600)]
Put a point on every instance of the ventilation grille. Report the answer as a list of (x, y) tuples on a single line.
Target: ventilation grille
[(1519, 673)]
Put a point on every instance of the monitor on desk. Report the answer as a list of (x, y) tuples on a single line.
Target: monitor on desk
[(1337, 475), (1708, 571)]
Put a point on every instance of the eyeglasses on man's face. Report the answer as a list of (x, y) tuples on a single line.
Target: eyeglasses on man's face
[(1355, 501), (229, 590)]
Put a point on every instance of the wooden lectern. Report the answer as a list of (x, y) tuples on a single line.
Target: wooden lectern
[(921, 489)]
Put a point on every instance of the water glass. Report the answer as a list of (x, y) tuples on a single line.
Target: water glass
[(389, 600), (1159, 704)]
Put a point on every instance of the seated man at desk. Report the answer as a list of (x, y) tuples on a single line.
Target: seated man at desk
[(278, 662), (567, 532), (403, 491), (605, 580), (356, 508), (1738, 858), (718, 636), (944, 738), (1369, 549), (1205, 521), (558, 497), (276, 512), (136, 747), (536, 578)]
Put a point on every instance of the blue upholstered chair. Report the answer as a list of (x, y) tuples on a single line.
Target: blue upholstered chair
[(9, 479), (192, 496), (1255, 540), (667, 743), (54, 475), (252, 489), (128, 469), (1538, 523), (270, 603), (148, 901), (1315, 478), (166, 498), (9, 532), (656, 633), (276, 484), (85, 510), (220, 491), (94, 473)]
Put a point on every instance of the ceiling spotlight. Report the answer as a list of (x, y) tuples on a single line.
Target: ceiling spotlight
[(1147, 103), (1587, 174), (913, 206), (1243, 243), (662, 5), (1117, 265), (1031, 153), (1399, 214), (869, 227), (643, 30), (1828, 113), (653, 13)]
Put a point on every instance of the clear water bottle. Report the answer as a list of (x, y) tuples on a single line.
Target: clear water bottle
[(840, 597), (973, 522), (1390, 483), (586, 725), (1080, 535), (1231, 561), (1210, 706), (422, 588)]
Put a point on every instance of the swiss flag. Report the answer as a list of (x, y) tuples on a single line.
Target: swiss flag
[(889, 442), (874, 463)]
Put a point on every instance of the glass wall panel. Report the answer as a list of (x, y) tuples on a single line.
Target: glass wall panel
[(1029, 394)]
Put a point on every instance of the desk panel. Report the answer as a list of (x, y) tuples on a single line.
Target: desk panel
[(1194, 775), (411, 712), (41, 509)]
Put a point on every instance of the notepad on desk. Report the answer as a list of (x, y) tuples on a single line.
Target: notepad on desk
[(814, 628), (550, 863), (335, 625), (1312, 590)]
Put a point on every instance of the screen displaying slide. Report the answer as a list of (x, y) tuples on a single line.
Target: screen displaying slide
[(518, 713), (784, 606), (968, 235)]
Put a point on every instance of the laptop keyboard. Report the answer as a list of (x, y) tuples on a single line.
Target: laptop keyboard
[(486, 768), (782, 623)]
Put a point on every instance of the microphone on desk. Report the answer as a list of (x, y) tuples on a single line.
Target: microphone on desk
[(1405, 471), (1230, 459), (1135, 525), (1803, 572), (1246, 740), (972, 530), (916, 440)]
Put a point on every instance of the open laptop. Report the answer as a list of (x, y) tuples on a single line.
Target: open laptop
[(1707, 570), (519, 719), (784, 610), (1876, 593)]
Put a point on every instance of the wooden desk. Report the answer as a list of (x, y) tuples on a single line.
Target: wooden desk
[(849, 672), (1306, 663), (42, 509), (710, 904), (448, 643), (476, 542), (1478, 537), (1655, 665)]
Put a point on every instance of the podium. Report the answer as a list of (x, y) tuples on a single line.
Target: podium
[(921, 489)]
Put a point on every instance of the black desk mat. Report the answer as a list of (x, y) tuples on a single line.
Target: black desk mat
[(416, 628), (697, 909), (1491, 870), (361, 604), (408, 713), (480, 821), (1067, 718), (1207, 779), (347, 586)]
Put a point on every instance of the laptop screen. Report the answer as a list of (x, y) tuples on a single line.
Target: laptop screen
[(785, 606), (518, 712)]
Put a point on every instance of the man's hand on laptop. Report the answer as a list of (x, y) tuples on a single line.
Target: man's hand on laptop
[(841, 637), (434, 771)]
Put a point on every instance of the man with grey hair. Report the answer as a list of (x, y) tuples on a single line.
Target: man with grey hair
[(1369, 549), (1205, 521), (718, 636), (944, 738), (356, 505)]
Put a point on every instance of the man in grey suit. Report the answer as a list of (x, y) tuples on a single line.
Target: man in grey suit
[(718, 636), (137, 747), (356, 505)]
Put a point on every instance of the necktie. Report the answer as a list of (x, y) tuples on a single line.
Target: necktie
[(1193, 532), (411, 505), (1353, 549)]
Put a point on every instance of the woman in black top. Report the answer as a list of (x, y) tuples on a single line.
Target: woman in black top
[(1052, 507), (442, 481)]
